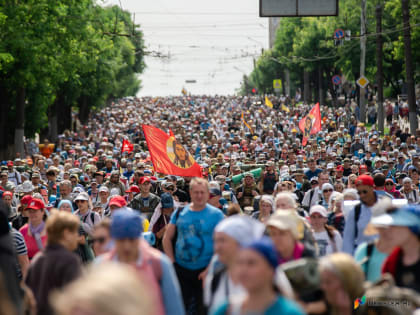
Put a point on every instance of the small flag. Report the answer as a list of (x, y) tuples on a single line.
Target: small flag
[(127, 146), (268, 102), (184, 91), (246, 124), (310, 124), (168, 155), (285, 108)]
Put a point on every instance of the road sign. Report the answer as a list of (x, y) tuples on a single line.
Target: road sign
[(298, 8), (362, 82), (336, 80), (339, 33), (277, 84)]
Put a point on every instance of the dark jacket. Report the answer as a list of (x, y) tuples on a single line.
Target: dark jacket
[(138, 204), (52, 269)]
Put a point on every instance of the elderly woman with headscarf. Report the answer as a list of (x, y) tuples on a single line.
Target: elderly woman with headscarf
[(229, 236), (266, 207), (65, 205)]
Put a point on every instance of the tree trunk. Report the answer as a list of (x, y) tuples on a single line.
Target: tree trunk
[(306, 87), (362, 98), (409, 70), (20, 122), (316, 86), (287, 81), (320, 86), (379, 70), (331, 88), (84, 109), (4, 113)]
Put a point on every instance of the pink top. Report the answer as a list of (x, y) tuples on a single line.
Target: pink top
[(297, 253), (146, 274), (31, 242)]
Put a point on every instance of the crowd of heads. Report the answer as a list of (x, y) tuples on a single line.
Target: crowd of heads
[(282, 208)]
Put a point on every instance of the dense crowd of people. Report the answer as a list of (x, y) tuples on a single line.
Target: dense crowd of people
[(271, 226)]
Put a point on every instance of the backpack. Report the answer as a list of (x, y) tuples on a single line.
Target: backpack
[(366, 260), (177, 213), (357, 211), (215, 281), (384, 297)]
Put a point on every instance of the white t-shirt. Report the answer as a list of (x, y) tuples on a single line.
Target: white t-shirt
[(325, 245)]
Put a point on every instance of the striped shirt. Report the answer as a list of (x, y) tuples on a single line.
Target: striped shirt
[(20, 248)]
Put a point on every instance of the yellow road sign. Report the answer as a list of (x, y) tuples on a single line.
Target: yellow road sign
[(277, 84), (362, 82)]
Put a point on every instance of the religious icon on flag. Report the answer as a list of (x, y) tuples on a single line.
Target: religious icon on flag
[(168, 155), (127, 146), (310, 124)]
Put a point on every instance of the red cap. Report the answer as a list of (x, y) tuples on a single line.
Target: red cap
[(364, 180), (7, 193), (36, 204), (26, 200), (134, 189), (340, 168), (363, 167), (118, 201), (144, 179), (10, 163)]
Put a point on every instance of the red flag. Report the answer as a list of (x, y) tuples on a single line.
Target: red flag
[(168, 155), (310, 124), (127, 146)]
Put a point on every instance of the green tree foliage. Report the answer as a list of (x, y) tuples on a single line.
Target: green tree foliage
[(59, 54), (307, 44)]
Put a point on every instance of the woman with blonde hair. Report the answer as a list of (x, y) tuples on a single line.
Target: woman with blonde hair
[(342, 282), (351, 181), (106, 289)]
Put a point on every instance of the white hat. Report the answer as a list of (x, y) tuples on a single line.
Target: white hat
[(319, 209), (26, 187), (285, 220), (243, 229), (103, 188), (327, 186), (330, 165), (82, 196)]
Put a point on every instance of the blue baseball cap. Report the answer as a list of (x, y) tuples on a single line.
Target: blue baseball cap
[(167, 200), (126, 224)]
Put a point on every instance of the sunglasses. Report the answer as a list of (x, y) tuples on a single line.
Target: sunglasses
[(362, 192), (328, 190), (100, 240), (78, 201), (389, 184)]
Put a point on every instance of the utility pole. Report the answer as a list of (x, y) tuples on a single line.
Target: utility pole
[(405, 4), (362, 98), (379, 70)]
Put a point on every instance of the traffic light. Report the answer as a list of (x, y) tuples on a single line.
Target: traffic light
[(254, 91)]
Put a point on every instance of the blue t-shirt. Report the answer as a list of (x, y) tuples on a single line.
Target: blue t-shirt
[(280, 306), (373, 267), (194, 243), (309, 174)]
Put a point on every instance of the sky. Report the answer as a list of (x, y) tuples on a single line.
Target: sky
[(212, 42)]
